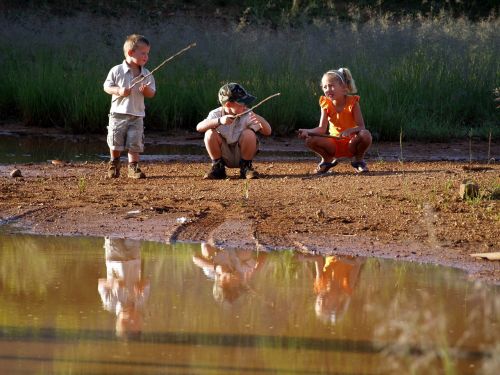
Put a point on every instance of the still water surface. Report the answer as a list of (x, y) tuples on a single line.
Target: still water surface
[(36, 149), (118, 306), (39, 149)]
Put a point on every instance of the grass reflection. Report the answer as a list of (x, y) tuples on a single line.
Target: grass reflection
[(24, 268)]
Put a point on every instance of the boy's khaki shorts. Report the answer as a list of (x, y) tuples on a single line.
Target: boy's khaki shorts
[(231, 154), (125, 132)]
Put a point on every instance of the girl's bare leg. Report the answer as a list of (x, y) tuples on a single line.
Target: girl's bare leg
[(324, 147), (360, 144)]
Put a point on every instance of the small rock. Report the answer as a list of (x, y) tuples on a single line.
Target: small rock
[(133, 213), (15, 173), (468, 189)]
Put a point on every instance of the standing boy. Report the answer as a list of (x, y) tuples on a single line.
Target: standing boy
[(126, 116), (230, 135)]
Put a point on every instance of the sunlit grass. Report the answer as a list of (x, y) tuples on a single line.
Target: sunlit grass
[(432, 79)]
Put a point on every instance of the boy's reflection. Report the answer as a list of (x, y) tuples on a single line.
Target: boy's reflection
[(123, 291), (231, 270), (335, 278)]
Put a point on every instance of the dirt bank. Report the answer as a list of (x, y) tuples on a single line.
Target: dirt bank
[(408, 210)]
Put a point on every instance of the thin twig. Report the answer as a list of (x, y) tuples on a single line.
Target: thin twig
[(256, 105), (489, 148), (163, 63), (324, 136)]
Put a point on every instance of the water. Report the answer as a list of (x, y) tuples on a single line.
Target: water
[(116, 306), (38, 149)]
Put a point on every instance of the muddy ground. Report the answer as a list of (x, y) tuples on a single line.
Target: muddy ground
[(409, 210)]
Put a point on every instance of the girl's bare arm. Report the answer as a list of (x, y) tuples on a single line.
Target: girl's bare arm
[(320, 129)]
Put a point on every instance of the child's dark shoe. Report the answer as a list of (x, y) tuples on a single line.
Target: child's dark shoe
[(135, 172), (217, 172), (114, 168), (247, 171), (360, 166)]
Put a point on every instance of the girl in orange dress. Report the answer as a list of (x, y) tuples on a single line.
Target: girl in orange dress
[(342, 120)]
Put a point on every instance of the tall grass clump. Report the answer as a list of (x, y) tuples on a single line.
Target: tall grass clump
[(431, 77)]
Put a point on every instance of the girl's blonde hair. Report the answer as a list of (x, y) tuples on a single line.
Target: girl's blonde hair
[(344, 76), (132, 42)]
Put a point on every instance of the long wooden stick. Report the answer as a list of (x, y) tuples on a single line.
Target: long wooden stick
[(163, 63), (324, 136), (256, 105)]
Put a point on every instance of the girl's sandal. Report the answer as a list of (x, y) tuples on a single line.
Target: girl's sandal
[(360, 166), (325, 166)]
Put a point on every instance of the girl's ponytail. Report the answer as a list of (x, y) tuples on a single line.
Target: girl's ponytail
[(348, 80)]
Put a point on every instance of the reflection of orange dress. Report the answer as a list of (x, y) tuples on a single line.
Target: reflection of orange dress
[(336, 275), (340, 121)]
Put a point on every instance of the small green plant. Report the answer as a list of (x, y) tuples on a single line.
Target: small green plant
[(380, 158), (490, 159), (476, 199), (245, 190), (497, 218), (448, 185), (82, 184)]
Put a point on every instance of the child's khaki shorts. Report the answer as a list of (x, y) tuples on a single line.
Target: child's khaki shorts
[(231, 154), (125, 132)]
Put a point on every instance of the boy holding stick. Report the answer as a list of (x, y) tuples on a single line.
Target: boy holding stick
[(129, 83), (231, 133)]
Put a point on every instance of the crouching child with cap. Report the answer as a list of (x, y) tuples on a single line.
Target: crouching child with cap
[(231, 136)]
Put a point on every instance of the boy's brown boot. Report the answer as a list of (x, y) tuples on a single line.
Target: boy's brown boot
[(135, 172), (114, 168), (247, 171), (217, 171)]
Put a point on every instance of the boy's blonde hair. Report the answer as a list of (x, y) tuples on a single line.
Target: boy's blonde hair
[(132, 42), (343, 75)]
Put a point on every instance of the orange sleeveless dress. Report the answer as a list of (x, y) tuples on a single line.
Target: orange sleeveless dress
[(340, 121)]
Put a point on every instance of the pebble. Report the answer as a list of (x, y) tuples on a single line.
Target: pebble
[(468, 189), (16, 173)]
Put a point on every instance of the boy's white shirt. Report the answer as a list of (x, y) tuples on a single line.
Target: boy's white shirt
[(231, 133), (121, 76)]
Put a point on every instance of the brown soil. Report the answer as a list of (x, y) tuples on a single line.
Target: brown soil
[(408, 210)]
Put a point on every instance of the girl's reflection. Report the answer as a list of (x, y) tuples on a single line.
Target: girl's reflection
[(231, 270), (335, 278), (124, 291)]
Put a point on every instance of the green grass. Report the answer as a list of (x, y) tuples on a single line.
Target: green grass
[(431, 78)]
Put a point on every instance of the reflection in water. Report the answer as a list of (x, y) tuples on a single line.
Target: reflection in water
[(389, 317), (335, 278), (444, 326), (124, 291), (231, 270)]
